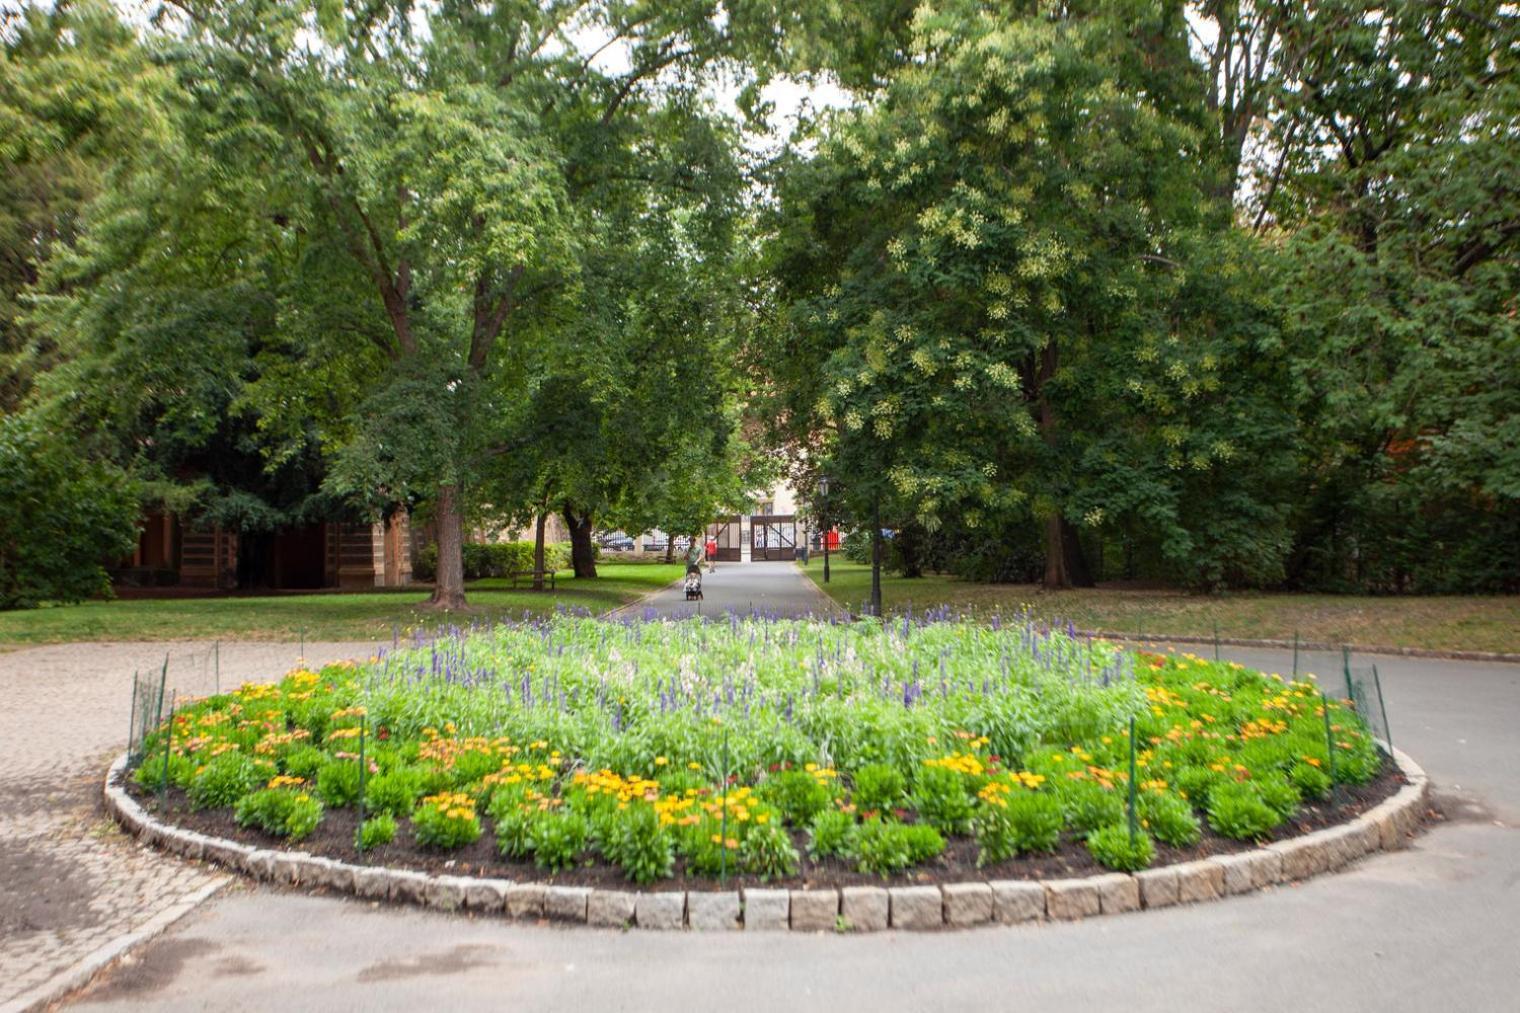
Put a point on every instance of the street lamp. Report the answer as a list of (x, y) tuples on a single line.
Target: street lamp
[(823, 495)]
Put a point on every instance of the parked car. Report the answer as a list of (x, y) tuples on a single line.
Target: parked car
[(615, 541)]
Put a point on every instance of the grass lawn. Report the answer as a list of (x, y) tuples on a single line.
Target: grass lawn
[(367, 615), (1452, 623)]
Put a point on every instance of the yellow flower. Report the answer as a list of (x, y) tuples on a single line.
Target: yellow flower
[(660, 761)]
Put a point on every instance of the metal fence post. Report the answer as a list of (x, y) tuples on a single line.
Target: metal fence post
[(1377, 684), (1295, 654), (163, 790), (1346, 668), (132, 721), (1329, 737), (723, 816), (216, 650), (363, 769), (1134, 818)]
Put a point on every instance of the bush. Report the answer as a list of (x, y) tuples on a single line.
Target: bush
[(223, 780), (639, 845), (942, 801), (377, 831), (150, 773), (1088, 805), (558, 839), (1112, 847), (1236, 810), (279, 811), (1023, 822), (767, 851), (878, 788), (304, 762), (1171, 819), (798, 794), (831, 834), (887, 848), (491, 559), (1278, 793), (338, 783), (446, 821), (1311, 781), (395, 792)]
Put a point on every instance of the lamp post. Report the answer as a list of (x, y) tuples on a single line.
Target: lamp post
[(823, 495)]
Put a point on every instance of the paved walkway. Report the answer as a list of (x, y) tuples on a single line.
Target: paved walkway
[(1427, 928), (778, 589)]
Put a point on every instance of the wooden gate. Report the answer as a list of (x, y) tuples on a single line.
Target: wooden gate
[(773, 536), (726, 532)]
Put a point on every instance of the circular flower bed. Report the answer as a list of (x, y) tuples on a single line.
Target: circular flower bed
[(763, 750)]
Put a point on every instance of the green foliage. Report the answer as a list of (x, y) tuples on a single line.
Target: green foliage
[(640, 846), (831, 834), (1170, 819), (492, 559), (558, 839), (446, 822), (887, 848), (1237, 810), (942, 800), (767, 851), (1088, 805), (61, 517), (338, 783), (878, 787), (798, 794), (394, 792), (223, 780), (150, 774), (1112, 847), (1025, 823), (377, 831), (1280, 794), (1311, 781), (279, 811), (304, 762)]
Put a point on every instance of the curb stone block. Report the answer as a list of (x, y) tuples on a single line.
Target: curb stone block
[(226, 853), (409, 886), (1302, 857), (446, 893), (1199, 881), (1015, 900), (373, 884), (767, 910), (525, 900), (1158, 887), (967, 903), (259, 864), (338, 876), (289, 868), (610, 908), (713, 912), (1117, 893), (815, 910), (1069, 899), (567, 903), (660, 910), (865, 908), (1363, 838), (1245, 871), (916, 907), (486, 895)]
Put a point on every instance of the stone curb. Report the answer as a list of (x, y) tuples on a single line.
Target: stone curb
[(1318, 646), (1385, 827)]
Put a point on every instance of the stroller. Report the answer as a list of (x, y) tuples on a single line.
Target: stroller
[(693, 582)]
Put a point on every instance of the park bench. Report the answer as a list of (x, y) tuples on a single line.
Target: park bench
[(532, 577)]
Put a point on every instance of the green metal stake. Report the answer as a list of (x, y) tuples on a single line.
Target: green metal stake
[(1134, 818), (1377, 684), (132, 720), (723, 817), (1295, 654), (163, 789), (303, 643), (1329, 737), (1216, 639), (216, 650), (1346, 669), (363, 769)]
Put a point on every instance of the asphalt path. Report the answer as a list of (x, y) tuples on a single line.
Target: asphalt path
[(1432, 927)]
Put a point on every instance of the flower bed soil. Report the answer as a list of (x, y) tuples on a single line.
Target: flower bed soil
[(334, 838)]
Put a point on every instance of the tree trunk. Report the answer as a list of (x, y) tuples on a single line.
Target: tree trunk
[(909, 551), (538, 550), (1056, 574), (582, 552), (1076, 560), (670, 549), (448, 587)]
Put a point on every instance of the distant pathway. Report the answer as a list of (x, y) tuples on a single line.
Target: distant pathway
[(772, 588)]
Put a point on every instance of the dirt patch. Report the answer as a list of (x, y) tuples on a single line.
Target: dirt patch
[(455, 960), (40, 893), (149, 971), (334, 838)]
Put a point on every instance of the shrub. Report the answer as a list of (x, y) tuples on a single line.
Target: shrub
[(639, 845), (831, 834), (798, 794), (878, 787), (1171, 819), (1112, 847), (558, 839), (223, 780), (1024, 822), (1196, 782), (1278, 793), (707, 852), (1088, 805), (767, 851), (886, 848), (338, 783), (446, 821), (942, 801), (514, 830), (304, 762), (279, 811), (150, 774), (1236, 810), (377, 831), (395, 792), (1311, 781)]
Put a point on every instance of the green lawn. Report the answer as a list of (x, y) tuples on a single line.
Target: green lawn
[(368, 615), (1471, 623)]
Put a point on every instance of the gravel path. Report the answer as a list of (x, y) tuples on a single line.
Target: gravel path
[(70, 881)]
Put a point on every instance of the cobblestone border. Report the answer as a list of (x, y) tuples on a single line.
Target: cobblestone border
[(856, 908)]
